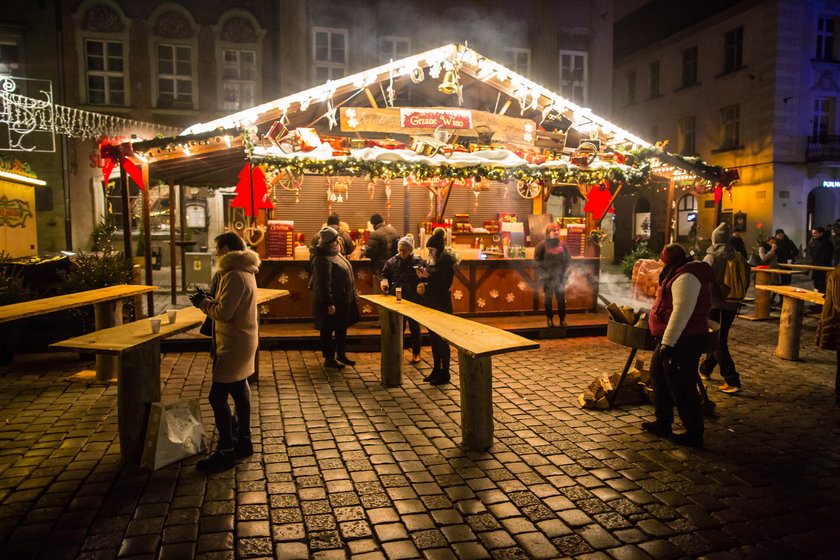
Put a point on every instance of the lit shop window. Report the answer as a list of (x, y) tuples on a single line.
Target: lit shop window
[(518, 60), (104, 72), (573, 75), (686, 217), (239, 78), (175, 81), (329, 48)]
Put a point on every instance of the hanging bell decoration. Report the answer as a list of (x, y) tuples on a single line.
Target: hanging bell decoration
[(449, 84)]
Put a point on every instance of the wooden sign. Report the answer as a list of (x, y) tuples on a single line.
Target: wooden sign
[(390, 120), (433, 118), (18, 230)]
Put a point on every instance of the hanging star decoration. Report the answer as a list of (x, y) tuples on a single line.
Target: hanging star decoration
[(332, 115)]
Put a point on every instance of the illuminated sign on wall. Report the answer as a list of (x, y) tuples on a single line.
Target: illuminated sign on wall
[(831, 184)]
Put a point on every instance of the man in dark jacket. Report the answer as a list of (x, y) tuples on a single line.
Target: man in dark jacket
[(786, 251), (821, 250), (401, 272), (382, 244), (738, 242)]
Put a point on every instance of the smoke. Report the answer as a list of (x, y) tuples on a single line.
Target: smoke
[(616, 288)]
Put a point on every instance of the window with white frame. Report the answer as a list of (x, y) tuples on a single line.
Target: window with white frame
[(518, 60), (689, 66), (733, 49), (687, 136), (175, 79), (823, 121), (104, 72), (825, 38), (686, 216), (329, 54), (239, 79), (573, 75), (654, 79), (731, 120)]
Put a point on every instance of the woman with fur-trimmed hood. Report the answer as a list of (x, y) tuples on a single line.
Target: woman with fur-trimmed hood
[(233, 309)]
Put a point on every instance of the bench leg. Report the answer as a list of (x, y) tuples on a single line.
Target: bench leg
[(790, 328), (391, 349), (107, 314), (138, 386), (762, 297), (476, 401)]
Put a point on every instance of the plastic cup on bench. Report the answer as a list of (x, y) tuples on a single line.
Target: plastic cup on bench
[(155, 323), (172, 315)]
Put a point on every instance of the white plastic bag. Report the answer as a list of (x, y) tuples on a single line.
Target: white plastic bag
[(174, 432)]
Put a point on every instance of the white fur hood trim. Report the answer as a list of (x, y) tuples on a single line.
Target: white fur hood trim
[(247, 261)]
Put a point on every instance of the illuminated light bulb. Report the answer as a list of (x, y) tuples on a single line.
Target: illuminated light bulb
[(227, 141)]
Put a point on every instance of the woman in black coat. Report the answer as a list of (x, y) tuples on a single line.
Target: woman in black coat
[(553, 260), (334, 306), (438, 277)]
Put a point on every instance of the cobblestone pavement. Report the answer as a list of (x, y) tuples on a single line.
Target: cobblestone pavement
[(346, 468)]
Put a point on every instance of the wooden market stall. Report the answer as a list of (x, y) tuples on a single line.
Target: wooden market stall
[(443, 138), (18, 224)]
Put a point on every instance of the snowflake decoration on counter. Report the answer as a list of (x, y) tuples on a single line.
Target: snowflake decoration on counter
[(282, 279), (494, 294), (303, 275), (367, 309), (352, 121), (510, 297), (458, 294), (481, 302), (522, 285)]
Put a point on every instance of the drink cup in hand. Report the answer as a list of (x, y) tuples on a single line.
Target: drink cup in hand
[(155, 323)]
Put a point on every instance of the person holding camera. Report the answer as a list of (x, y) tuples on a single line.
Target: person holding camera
[(400, 272), (679, 322), (233, 309)]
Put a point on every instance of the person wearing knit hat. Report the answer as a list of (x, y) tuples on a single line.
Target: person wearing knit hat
[(438, 276), (723, 311), (399, 272), (333, 220), (679, 322), (334, 306), (382, 244), (345, 242)]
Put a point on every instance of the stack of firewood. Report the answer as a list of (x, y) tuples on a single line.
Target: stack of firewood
[(635, 389)]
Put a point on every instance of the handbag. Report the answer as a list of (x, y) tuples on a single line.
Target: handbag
[(206, 327)]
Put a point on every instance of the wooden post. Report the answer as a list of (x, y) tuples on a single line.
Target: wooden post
[(137, 387), (182, 217), (173, 259), (392, 347), (669, 212), (476, 401), (790, 329), (147, 238), (762, 297), (107, 314)]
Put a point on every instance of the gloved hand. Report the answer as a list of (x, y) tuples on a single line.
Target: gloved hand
[(199, 296), (666, 353)]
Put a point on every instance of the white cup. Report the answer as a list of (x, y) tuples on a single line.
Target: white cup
[(172, 315), (155, 322)]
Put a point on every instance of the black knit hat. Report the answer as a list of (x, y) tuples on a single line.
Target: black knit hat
[(376, 219), (333, 220), (437, 239), (327, 235)]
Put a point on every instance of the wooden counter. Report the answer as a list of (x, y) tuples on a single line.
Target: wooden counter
[(481, 287)]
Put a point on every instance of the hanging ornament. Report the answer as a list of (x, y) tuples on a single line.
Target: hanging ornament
[(417, 75), (431, 204), (475, 206), (331, 115), (371, 187), (507, 190), (388, 196)]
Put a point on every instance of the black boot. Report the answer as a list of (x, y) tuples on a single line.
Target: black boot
[(243, 448), (217, 462), (435, 369), (550, 322), (442, 378), (345, 360), (331, 363)]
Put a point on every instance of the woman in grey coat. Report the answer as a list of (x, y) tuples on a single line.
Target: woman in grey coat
[(334, 306)]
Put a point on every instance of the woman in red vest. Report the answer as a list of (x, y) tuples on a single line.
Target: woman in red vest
[(679, 321)]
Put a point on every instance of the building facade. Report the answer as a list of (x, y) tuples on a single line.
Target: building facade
[(178, 63), (751, 84)]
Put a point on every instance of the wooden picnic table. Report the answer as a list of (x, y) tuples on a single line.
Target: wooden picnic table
[(790, 323), (138, 382), (763, 276), (807, 266), (475, 342), (107, 311)]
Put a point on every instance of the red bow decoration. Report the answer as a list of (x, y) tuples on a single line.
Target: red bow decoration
[(598, 201), (251, 191), (111, 155)]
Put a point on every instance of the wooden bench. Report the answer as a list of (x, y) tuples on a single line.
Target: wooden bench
[(476, 343), (763, 276), (138, 382), (107, 311), (790, 323)]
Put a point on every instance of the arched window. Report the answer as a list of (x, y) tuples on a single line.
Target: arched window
[(174, 52), (686, 216), (240, 57), (102, 46)]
